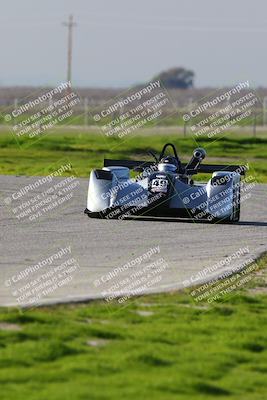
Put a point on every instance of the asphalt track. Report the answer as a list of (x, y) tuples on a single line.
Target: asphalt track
[(98, 247)]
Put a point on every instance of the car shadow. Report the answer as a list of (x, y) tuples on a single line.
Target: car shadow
[(252, 223), (191, 221)]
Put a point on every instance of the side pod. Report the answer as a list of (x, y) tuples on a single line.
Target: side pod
[(100, 183)]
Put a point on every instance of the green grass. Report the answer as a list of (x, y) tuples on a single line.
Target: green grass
[(180, 351), (86, 151), (172, 118)]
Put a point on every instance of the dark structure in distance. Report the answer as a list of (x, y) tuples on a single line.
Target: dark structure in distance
[(177, 78)]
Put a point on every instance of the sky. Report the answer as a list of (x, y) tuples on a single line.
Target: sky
[(119, 43)]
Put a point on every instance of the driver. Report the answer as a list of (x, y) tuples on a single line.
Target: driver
[(172, 162)]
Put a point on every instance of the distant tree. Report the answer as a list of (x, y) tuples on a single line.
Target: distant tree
[(177, 78)]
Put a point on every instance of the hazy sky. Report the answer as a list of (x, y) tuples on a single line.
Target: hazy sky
[(122, 42)]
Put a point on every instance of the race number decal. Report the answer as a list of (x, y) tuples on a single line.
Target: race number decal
[(159, 185)]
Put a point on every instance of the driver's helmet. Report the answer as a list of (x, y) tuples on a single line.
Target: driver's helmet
[(168, 163)]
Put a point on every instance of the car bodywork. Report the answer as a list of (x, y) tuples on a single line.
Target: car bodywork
[(165, 188)]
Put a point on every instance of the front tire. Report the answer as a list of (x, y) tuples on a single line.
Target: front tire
[(235, 215), (236, 204), (91, 214)]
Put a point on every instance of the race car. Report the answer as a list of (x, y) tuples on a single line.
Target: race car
[(165, 187)]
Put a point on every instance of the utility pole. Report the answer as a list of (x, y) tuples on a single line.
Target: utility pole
[(70, 24), (264, 119)]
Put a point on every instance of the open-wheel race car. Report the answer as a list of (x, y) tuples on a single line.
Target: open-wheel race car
[(165, 187)]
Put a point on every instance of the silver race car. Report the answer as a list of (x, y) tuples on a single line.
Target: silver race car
[(165, 188)]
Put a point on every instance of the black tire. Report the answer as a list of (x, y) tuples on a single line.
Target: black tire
[(91, 214), (235, 216), (236, 212)]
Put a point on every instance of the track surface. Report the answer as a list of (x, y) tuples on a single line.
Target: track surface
[(99, 246)]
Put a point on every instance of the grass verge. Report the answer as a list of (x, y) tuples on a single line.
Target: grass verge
[(161, 346), (86, 151)]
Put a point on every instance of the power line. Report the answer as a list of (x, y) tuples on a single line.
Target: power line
[(70, 25)]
